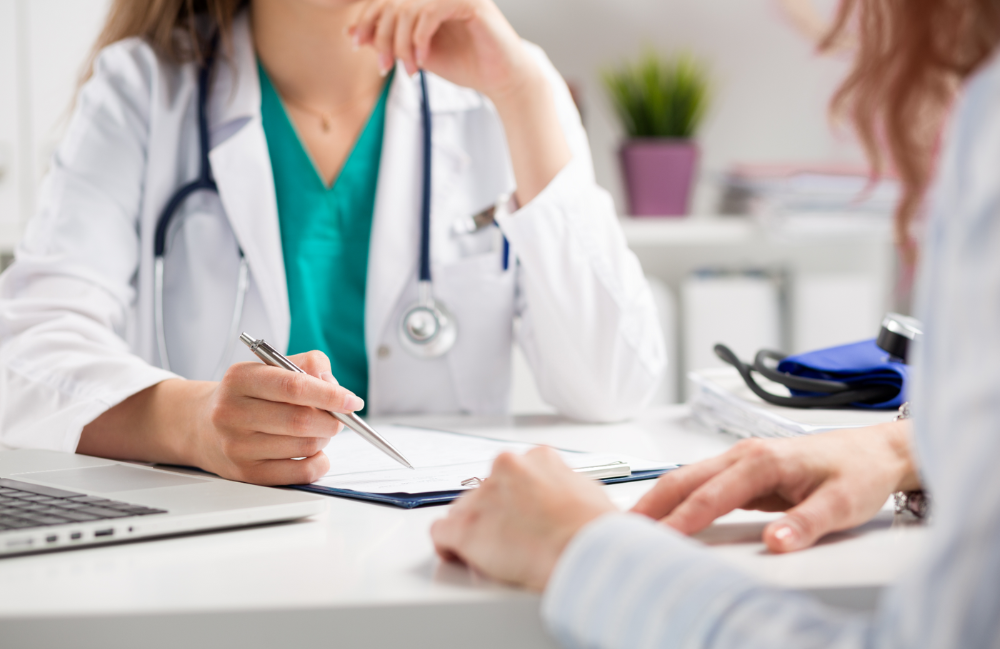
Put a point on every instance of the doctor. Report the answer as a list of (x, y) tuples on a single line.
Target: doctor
[(312, 237)]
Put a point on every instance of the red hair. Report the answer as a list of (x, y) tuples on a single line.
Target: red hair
[(911, 57)]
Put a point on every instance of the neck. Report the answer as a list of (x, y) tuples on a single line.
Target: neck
[(308, 55)]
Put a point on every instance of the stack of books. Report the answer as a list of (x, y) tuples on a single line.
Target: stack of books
[(765, 190), (721, 401)]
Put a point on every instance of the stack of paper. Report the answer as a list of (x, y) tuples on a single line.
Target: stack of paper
[(721, 401)]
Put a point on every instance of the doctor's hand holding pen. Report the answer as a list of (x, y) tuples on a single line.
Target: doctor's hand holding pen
[(245, 427), (471, 44), (517, 524)]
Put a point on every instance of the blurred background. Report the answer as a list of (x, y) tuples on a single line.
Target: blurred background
[(775, 249)]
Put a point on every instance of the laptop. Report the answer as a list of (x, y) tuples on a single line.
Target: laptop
[(53, 501)]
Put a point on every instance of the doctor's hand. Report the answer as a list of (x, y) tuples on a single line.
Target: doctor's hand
[(258, 418), (249, 427), (516, 525), (471, 44), (825, 482), (467, 42)]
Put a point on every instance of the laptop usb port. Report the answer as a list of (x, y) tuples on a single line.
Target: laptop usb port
[(107, 532), (76, 536), (51, 538)]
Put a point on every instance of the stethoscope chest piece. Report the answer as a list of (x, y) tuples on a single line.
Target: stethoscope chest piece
[(427, 329)]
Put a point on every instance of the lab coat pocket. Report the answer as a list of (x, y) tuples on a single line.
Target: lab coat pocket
[(480, 296)]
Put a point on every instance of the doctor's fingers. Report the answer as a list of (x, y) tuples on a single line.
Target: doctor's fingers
[(362, 32), (314, 363), (255, 447), (274, 418), (283, 472), (281, 386), (402, 37)]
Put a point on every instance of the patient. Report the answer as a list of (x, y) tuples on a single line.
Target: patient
[(621, 580)]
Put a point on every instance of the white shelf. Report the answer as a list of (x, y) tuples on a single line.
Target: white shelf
[(714, 230)]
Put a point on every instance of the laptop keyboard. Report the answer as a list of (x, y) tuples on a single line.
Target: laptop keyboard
[(24, 505)]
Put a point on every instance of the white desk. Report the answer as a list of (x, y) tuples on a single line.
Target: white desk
[(365, 575)]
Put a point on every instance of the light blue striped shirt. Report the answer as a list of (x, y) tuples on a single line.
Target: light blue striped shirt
[(627, 582)]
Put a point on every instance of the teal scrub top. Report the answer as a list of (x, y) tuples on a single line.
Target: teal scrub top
[(325, 232)]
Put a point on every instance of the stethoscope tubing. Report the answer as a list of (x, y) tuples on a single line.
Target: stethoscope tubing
[(425, 199), (204, 182)]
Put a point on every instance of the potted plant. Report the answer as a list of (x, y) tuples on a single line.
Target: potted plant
[(661, 103)]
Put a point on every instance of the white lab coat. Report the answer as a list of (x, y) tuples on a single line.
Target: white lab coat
[(76, 307)]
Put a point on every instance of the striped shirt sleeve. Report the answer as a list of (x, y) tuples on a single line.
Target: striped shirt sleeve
[(625, 581)]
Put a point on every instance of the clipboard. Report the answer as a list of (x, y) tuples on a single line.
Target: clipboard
[(446, 464), (412, 501)]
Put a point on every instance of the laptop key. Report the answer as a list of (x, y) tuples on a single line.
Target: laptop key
[(102, 512), (44, 520), (30, 506), (37, 489), (77, 515), (89, 499)]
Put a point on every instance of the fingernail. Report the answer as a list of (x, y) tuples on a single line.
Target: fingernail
[(384, 63), (329, 378), (356, 42), (353, 403), (420, 57), (786, 536)]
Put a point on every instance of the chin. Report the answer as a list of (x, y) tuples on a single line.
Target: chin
[(326, 4)]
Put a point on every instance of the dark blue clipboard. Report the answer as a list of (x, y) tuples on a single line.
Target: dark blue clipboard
[(412, 501)]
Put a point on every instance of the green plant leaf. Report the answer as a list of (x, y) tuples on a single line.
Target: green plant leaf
[(659, 97)]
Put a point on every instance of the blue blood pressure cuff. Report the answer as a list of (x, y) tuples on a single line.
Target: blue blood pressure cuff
[(859, 375), (859, 365)]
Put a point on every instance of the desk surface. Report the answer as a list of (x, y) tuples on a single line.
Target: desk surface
[(367, 575)]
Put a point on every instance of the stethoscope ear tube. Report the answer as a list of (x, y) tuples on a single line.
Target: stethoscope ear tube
[(204, 182), (835, 393)]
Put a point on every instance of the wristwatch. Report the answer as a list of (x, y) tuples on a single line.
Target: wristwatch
[(915, 502)]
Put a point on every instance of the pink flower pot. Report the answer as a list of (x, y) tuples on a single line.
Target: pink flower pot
[(658, 175)]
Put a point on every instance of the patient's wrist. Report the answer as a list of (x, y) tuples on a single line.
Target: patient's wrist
[(900, 438)]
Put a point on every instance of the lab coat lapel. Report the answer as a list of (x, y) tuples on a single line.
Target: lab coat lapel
[(393, 253), (394, 250), (242, 168)]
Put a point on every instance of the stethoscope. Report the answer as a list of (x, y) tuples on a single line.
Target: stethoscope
[(427, 329)]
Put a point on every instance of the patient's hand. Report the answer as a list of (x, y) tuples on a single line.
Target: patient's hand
[(516, 525), (825, 482)]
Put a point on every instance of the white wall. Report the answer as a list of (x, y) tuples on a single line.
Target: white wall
[(9, 206), (43, 44), (770, 89)]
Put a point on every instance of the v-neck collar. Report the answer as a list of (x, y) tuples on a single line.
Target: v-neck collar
[(267, 88)]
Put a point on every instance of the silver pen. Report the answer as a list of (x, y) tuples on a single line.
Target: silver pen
[(274, 358)]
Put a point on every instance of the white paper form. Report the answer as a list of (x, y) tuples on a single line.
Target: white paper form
[(441, 460)]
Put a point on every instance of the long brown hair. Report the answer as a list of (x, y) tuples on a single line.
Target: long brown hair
[(911, 57), (176, 29)]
